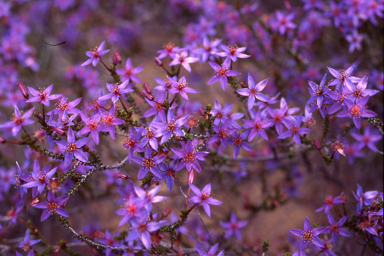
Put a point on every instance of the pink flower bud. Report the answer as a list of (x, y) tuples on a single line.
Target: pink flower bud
[(146, 88), (201, 112), (317, 144), (122, 176), (58, 130), (35, 201), (148, 96), (23, 90), (2, 140), (191, 177), (158, 62), (116, 59)]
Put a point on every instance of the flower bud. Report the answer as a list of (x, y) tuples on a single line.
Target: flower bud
[(148, 96), (35, 201), (116, 59), (146, 88), (317, 144), (191, 176), (122, 176), (201, 112), (2, 140), (23, 90), (58, 130), (242, 85), (158, 62)]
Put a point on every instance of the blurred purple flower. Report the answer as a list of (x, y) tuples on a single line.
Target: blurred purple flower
[(95, 55)]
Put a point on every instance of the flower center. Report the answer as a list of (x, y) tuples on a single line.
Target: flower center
[(148, 163), (108, 120), (232, 49), (171, 126), (92, 125), (189, 157), (62, 105), (129, 143), (307, 236), (149, 134), (223, 134), (355, 111), (43, 95), (294, 130), (222, 72), (52, 206), (192, 121), (71, 147), (237, 142)]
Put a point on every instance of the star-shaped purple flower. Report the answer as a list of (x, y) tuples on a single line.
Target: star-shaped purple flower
[(148, 163), (43, 96), (308, 235), (233, 227), (336, 228), (222, 73), (72, 148), (318, 92), (184, 60), (39, 178), (295, 130), (253, 91), (53, 205), (95, 55), (204, 197), (18, 121), (129, 73), (109, 121), (356, 111), (117, 90), (233, 52), (189, 156)]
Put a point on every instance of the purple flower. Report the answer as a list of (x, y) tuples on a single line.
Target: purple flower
[(95, 55), (257, 126), (39, 178), (222, 73), (295, 131), (27, 243), (149, 137), (129, 73), (19, 180), (233, 52), (308, 119), (163, 86), (325, 248), (43, 96), (354, 40), (222, 135), (181, 87), (189, 156), (330, 201), (72, 148), (131, 209), (278, 118), (233, 227), (239, 141), (109, 121), (352, 151), (92, 126), (52, 205), (63, 105), (284, 22), (149, 197), (117, 90), (148, 163), (357, 110), (172, 126), (170, 172), (211, 251), (367, 140), (342, 76), (204, 198), (182, 59), (18, 120), (359, 91), (363, 198), (132, 142), (318, 92), (253, 91), (208, 49), (308, 234), (336, 228), (157, 108), (339, 97), (142, 228), (169, 50)]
